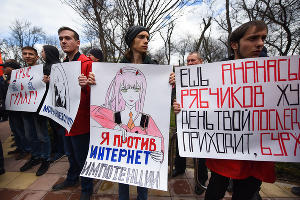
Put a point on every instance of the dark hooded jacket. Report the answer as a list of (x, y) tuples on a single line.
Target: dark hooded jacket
[(52, 57)]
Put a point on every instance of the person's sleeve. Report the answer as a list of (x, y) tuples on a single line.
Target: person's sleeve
[(103, 116)]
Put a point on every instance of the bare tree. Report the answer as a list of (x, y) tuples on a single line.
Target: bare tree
[(167, 41), (212, 50), (159, 56), (110, 19), (23, 33), (51, 40), (282, 18), (225, 23), (183, 47), (207, 24), (4, 49), (153, 14)]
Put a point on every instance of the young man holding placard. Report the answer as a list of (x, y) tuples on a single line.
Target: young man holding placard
[(77, 140), (247, 41), (36, 127)]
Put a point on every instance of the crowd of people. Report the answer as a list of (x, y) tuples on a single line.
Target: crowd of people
[(30, 130)]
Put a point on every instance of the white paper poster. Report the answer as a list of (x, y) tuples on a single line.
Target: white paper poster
[(63, 97), (130, 116), (26, 89), (240, 109)]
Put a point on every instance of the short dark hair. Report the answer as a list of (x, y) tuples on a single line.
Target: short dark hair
[(97, 53), (11, 63), (197, 53), (65, 28), (238, 33), (30, 48)]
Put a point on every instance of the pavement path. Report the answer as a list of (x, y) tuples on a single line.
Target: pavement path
[(16, 185)]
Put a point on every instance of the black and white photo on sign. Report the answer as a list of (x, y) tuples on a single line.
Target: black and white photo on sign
[(63, 97)]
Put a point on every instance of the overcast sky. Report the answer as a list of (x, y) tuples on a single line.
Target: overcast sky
[(48, 14), (52, 14)]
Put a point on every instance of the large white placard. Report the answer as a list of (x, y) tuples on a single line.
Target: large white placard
[(240, 109), (26, 89), (63, 97), (130, 117)]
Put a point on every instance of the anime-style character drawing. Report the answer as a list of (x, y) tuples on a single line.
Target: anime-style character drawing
[(61, 89), (123, 108)]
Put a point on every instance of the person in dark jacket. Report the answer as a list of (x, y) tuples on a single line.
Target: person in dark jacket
[(137, 38), (15, 117), (77, 140), (247, 41), (50, 55), (3, 90), (41, 122)]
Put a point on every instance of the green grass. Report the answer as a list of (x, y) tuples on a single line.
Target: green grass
[(172, 119)]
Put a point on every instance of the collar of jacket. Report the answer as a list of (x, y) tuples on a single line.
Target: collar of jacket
[(77, 55)]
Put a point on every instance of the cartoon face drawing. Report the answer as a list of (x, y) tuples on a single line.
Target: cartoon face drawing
[(130, 95), (128, 88), (123, 108)]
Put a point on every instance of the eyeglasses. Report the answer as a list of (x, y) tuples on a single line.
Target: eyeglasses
[(143, 37)]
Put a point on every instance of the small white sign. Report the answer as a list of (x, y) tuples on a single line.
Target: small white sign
[(26, 89), (63, 97)]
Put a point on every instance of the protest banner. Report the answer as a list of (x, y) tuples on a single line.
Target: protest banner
[(26, 89), (240, 109), (130, 108), (63, 97)]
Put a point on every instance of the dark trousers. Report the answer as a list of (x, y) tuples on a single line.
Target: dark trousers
[(41, 127), (17, 127), (1, 156), (142, 193), (180, 165), (242, 188), (31, 134), (77, 148), (58, 138)]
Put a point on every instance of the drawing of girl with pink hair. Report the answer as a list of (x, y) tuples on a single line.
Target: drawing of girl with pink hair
[(123, 108)]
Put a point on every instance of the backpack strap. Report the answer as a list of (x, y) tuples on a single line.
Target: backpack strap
[(118, 118), (144, 121)]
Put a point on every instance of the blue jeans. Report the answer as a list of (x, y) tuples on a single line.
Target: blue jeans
[(41, 126), (30, 133), (77, 148), (124, 192), (17, 127)]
